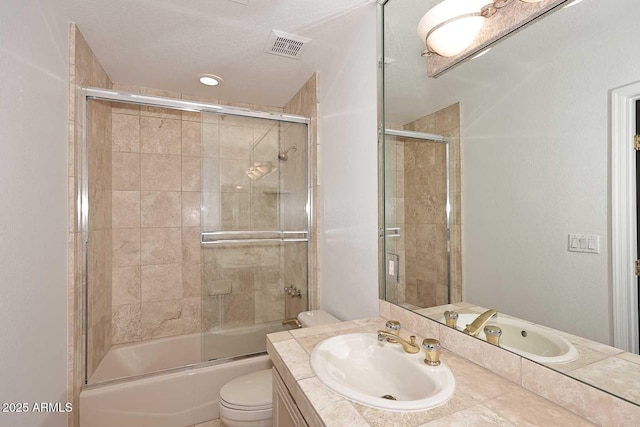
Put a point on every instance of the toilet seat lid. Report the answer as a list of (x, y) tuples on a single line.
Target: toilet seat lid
[(250, 391)]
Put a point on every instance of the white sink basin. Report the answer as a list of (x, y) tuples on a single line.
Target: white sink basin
[(362, 369), (527, 340)]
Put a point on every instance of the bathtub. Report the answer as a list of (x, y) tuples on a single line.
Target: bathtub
[(178, 398)]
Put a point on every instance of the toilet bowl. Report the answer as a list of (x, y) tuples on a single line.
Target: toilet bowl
[(247, 400)]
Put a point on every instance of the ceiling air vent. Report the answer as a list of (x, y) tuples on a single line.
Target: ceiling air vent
[(284, 44)]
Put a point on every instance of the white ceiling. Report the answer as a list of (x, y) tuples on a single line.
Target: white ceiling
[(167, 44)]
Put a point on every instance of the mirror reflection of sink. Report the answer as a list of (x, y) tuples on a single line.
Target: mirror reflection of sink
[(527, 340), (374, 373)]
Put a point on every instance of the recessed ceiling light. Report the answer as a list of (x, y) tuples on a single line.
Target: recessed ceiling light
[(210, 80)]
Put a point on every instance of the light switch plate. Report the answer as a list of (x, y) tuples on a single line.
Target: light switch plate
[(584, 243)]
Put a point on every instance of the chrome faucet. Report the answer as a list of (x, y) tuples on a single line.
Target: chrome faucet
[(476, 326), (409, 347)]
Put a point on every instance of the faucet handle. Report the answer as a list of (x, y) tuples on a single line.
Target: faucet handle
[(393, 326), (431, 348), (451, 318), (493, 333)]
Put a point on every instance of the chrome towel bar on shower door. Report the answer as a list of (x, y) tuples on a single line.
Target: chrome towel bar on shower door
[(230, 237)]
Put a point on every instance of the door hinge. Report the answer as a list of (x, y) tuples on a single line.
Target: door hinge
[(636, 142), (638, 267)]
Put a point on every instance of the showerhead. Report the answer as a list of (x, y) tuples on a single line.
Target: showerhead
[(284, 156)]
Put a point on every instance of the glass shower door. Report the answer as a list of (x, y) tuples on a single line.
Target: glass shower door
[(254, 230)]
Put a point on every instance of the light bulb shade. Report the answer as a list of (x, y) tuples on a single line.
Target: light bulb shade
[(451, 27)]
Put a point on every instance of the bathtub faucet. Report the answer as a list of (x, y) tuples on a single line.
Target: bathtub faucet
[(292, 322)]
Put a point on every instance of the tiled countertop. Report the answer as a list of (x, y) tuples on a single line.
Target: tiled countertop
[(482, 398)]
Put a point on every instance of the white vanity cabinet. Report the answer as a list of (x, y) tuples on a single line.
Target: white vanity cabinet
[(285, 410)]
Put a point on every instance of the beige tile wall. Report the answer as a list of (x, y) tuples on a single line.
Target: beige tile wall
[(99, 259), (153, 170), (85, 70), (423, 185), (155, 183), (242, 283), (305, 103), (395, 215)]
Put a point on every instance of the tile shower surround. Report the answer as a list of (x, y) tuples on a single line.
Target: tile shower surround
[(146, 271), (159, 156), (85, 70), (417, 173), (494, 387)]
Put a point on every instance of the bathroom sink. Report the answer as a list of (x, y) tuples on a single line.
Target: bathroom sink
[(527, 340), (374, 373)]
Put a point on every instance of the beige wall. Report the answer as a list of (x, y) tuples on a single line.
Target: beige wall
[(415, 181), (156, 222), (85, 70), (242, 284), (147, 170), (99, 274), (394, 205), (421, 186), (162, 160), (304, 103)]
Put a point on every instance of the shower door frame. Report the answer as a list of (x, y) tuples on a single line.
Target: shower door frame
[(82, 198), (385, 232)]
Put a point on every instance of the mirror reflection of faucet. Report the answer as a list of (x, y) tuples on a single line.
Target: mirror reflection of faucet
[(476, 326), (493, 334), (451, 318)]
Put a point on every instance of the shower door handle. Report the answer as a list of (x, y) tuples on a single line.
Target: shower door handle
[(226, 237), (389, 232)]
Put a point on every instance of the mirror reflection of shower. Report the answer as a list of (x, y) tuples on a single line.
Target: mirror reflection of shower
[(284, 155)]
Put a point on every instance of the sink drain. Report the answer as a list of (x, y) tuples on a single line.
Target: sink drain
[(388, 397)]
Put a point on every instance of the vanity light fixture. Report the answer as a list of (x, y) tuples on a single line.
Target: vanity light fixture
[(457, 30), (451, 26), (210, 80)]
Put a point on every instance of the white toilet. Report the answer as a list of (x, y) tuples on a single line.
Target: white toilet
[(246, 400)]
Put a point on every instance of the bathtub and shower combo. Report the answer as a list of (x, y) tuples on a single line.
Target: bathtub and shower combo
[(158, 345)]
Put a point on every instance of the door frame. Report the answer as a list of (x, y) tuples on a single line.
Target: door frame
[(624, 251)]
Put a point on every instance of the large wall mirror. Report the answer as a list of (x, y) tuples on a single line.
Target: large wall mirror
[(491, 168)]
